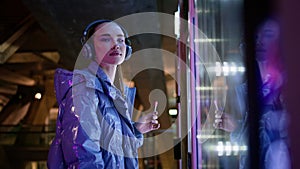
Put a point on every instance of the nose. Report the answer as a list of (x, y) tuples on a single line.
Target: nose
[(116, 45), (258, 40)]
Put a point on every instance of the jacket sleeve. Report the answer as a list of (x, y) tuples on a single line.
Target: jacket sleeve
[(240, 134), (55, 155), (81, 131)]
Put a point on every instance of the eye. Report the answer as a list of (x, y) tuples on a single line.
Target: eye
[(256, 37), (121, 40), (105, 39), (269, 34)]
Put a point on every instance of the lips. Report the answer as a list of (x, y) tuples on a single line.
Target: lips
[(115, 53), (260, 49)]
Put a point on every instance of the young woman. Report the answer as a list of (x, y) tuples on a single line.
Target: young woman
[(94, 127)]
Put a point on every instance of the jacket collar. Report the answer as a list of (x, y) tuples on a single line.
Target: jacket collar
[(120, 103), (95, 69), (105, 82)]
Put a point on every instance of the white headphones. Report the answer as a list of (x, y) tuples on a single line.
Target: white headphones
[(88, 50)]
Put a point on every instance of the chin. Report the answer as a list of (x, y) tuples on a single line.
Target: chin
[(115, 62), (260, 57)]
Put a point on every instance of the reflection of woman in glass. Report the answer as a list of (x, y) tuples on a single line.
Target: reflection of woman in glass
[(273, 122)]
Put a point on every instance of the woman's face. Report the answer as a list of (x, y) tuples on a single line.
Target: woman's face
[(267, 41), (109, 44)]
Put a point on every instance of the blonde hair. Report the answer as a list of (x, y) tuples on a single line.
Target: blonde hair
[(119, 83)]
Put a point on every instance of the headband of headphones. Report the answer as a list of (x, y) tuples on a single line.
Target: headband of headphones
[(90, 29)]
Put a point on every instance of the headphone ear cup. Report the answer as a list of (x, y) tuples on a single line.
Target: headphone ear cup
[(88, 51), (128, 46), (128, 52)]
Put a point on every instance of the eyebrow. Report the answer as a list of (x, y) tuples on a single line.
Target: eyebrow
[(268, 29), (106, 34)]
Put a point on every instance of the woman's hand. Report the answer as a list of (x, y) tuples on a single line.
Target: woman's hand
[(148, 123), (225, 122)]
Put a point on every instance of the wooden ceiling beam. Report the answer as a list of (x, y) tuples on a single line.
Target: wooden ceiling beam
[(9, 89), (12, 49), (27, 22), (14, 78), (30, 67), (49, 56), (26, 57), (12, 44), (3, 99)]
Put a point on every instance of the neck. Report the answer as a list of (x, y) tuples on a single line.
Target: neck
[(262, 68), (110, 71)]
